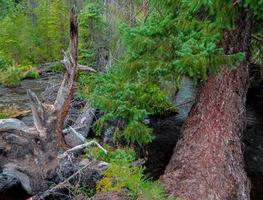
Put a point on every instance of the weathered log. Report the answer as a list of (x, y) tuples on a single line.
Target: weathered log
[(77, 134), (208, 161), (84, 121), (83, 146), (82, 68)]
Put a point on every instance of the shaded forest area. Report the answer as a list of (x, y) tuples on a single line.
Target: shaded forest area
[(131, 99)]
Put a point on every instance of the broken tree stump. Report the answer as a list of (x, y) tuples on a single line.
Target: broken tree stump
[(31, 154)]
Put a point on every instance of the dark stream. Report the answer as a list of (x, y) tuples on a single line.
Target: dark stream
[(253, 140)]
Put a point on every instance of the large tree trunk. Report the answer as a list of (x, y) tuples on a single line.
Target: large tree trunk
[(208, 161)]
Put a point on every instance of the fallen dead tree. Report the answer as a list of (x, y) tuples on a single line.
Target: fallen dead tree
[(76, 134), (32, 155)]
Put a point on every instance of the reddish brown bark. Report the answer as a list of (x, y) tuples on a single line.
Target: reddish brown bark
[(66, 89), (145, 7), (208, 162)]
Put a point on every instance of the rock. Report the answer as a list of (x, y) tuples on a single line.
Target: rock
[(7, 182), (18, 176), (184, 99), (12, 124)]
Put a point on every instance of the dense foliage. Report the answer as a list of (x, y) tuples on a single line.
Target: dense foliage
[(180, 38), (122, 173), (33, 32), (91, 33)]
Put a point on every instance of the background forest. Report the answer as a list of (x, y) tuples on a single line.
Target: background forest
[(142, 54)]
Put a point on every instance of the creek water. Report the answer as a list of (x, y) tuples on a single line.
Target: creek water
[(17, 96)]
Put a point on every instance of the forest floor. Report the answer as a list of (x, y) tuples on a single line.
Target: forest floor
[(160, 150)]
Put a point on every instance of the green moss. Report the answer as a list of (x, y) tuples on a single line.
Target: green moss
[(3, 115)]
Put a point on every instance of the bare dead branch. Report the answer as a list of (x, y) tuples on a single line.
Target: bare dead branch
[(86, 68), (38, 113), (81, 147), (77, 134)]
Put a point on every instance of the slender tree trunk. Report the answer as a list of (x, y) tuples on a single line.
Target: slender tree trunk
[(132, 19), (145, 7), (207, 163)]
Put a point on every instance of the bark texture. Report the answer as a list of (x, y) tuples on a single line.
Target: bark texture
[(207, 163)]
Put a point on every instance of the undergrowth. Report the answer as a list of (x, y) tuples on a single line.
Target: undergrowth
[(13, 75), (123, 173), (175, 41)]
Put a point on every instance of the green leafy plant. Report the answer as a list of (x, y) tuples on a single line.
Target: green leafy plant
[(123, 99), (3, 63), (32, 75), (122, 174)]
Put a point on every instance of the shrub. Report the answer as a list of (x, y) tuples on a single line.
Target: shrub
[(126, 100), (11, 77), (57, 68), (32, 75), (29, 72), (122, 174), (87, 192)]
